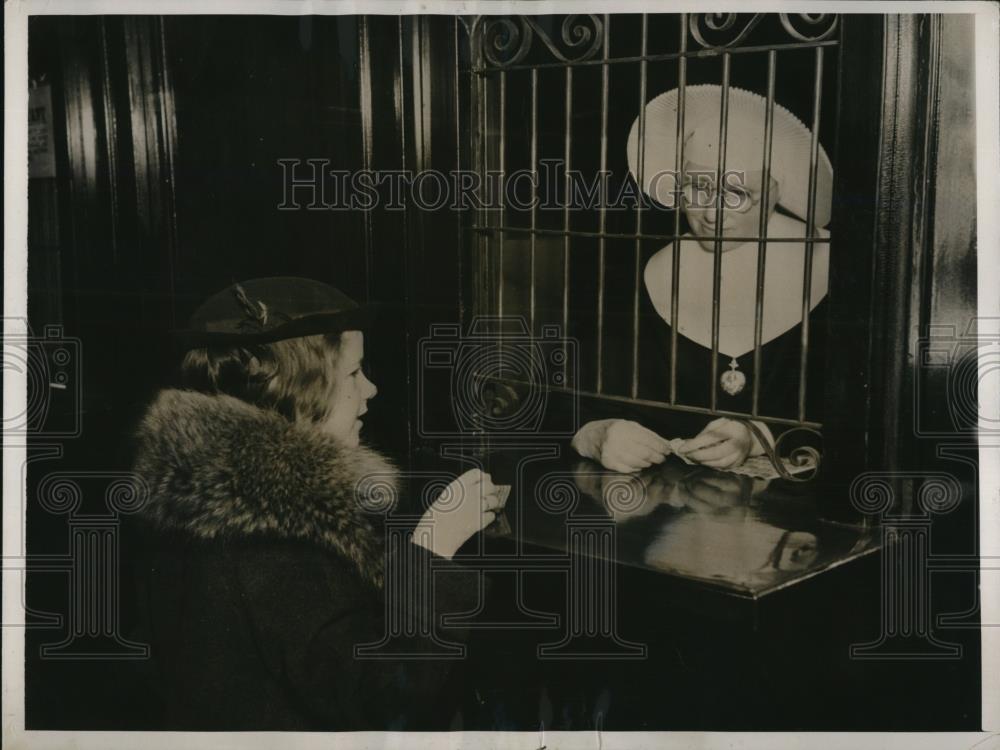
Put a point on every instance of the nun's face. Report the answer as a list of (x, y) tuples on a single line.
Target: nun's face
[(741, 194)]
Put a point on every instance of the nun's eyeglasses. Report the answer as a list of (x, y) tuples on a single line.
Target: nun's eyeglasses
[(702, 194)]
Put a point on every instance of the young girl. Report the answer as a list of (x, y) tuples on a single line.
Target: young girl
[(266, 561), (746, 199)]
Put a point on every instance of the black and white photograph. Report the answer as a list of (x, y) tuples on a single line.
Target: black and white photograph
[(523, 375)]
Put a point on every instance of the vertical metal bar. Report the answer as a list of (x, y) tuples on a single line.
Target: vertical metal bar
[(567, 158), (765, 198), (458, 167), (399, 114), (421, 96), (640, 176), (602, 217), (398, 96), (367, 137), (168, 113), (717, 263), (110, 139), (810, 232), (489, 276), (485, 297), (534, 172), (678, 173), (479, 145), (503, 208)]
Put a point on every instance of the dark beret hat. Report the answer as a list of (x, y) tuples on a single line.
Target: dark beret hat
[(263, 310)]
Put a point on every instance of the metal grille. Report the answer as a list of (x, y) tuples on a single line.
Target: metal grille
[(522, 61)]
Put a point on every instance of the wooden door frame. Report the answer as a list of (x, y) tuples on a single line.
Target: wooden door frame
[(878, 300)]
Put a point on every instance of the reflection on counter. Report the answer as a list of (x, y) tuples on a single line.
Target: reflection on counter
[(747, 535)]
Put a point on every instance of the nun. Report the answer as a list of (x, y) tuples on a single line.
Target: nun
[(753, 195)]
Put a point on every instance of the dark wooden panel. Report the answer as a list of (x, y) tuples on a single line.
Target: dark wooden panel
[(885, 167), (911, 267), (945, 380), (851, 287), (241, 109)]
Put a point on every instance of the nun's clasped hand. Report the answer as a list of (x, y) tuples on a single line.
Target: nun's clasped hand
[(467, 505), (722, 444), (621, 445)]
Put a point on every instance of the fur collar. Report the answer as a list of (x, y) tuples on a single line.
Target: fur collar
[(218, 467)]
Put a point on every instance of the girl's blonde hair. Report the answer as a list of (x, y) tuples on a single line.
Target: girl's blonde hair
[(295, 377)]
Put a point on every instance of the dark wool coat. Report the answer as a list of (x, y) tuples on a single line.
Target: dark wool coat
[(260, 571)]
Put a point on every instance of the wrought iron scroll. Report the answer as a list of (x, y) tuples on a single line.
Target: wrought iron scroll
[(803, 455), (822, 25), (507, 40), (803, 27), (700, 23), (504, 41)]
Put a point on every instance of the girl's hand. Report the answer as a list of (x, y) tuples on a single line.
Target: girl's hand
[(621, 445), (722, 444), (466, 506)]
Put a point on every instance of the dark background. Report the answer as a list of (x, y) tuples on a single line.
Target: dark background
[(168, 131)]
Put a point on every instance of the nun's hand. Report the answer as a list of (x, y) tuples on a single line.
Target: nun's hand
[(466, 506), (621, 445), (723, 443)]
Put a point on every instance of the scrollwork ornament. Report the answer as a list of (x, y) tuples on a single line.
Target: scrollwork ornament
[(822, 25), (583, 34), (507, 41), (716, 31), (717, 23), (803, 455)]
